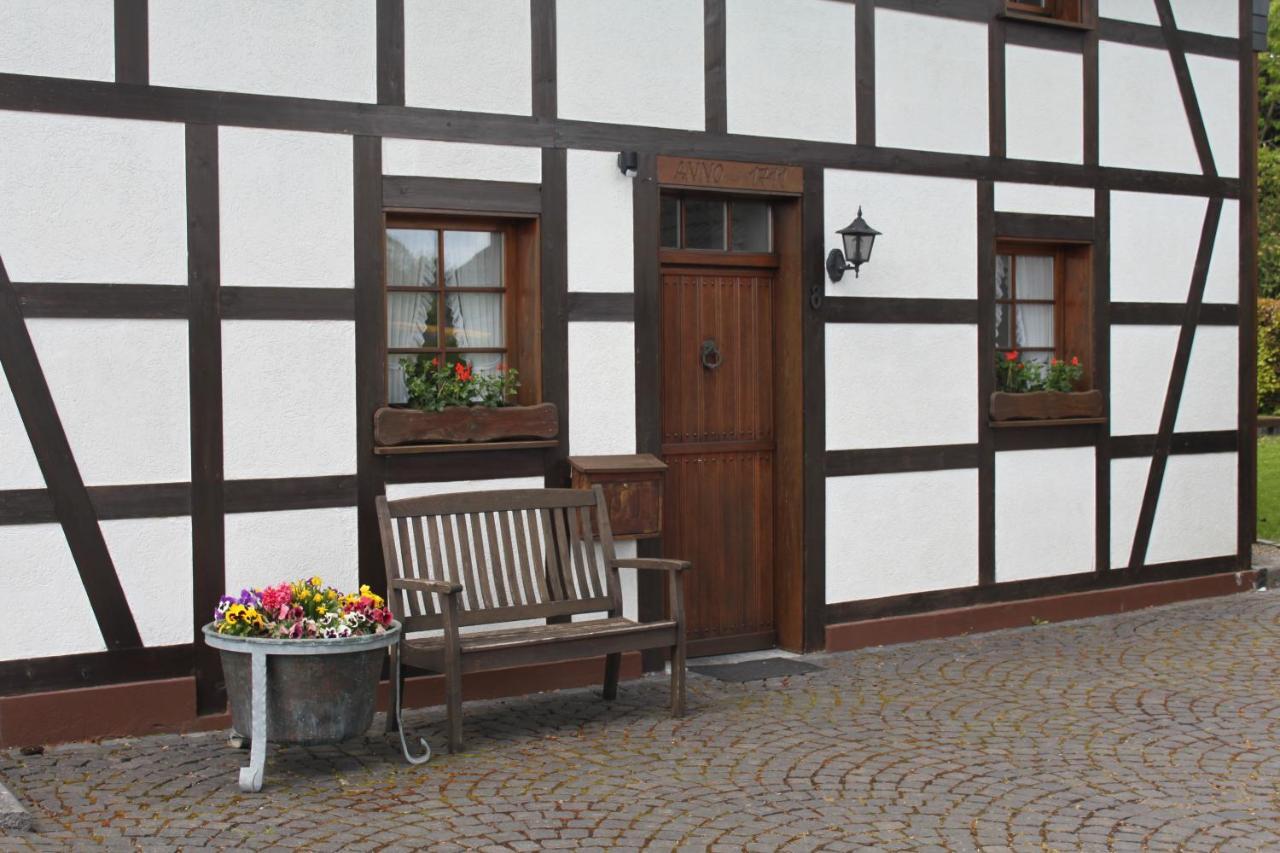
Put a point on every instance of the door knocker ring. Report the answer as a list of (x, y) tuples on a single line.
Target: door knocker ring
[(711, 357)]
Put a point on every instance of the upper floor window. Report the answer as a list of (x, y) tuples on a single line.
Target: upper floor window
[(1067, 11), (460, 290), (1043, 301)]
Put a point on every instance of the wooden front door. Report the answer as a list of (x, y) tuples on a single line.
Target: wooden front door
[(718, 441)]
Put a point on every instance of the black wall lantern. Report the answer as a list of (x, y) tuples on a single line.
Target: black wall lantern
[(858, 239), (628, 163)]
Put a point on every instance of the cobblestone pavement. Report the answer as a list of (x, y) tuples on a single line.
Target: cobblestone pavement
[(1158, 729)]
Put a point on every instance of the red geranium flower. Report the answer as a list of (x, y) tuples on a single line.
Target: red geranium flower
[(1011, 355), (1075, 362)]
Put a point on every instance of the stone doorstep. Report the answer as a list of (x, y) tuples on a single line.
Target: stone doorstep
[(13, 816)]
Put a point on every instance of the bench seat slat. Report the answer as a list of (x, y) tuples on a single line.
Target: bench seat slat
[(458, 503), (514, 613), (476, 641)]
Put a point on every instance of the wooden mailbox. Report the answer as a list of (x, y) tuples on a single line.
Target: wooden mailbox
[(632, 487)]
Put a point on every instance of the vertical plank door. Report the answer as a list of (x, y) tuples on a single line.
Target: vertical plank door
[(718, 441)]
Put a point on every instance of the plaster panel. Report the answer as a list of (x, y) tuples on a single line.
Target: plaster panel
[(1223, 282), (289, 400), (876, 545), (121, 390), (1044, 104), (1217, 85), (1196, 513), (1216, 17), (931, 83), (152, 557), (41, 582), (934, 244), (1141, 120), (1138, 11), (464, 160), (1042, 532), (1128, 485), (58, 38), (1141, 361), (93, 199), (1044, 198), (319, 49), (468, 55), (286, 202), (1154, 239), (265, 548), (631, 63), (602, 390), (811, 94), (18, 466), (1209, 397), (600, 254), (897, 385)]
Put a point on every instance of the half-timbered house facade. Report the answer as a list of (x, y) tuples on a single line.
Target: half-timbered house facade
[(222, 225)]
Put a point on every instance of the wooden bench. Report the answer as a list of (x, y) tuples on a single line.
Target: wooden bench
[(486, 558)]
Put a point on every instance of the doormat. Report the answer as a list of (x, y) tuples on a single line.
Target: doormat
[(756, 670)]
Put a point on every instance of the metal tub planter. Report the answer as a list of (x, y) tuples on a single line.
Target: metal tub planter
[(303, 691)]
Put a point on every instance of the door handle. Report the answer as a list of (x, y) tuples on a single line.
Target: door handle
[(711, 357)]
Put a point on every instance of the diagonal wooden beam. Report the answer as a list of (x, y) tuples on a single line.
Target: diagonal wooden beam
[(1177, 380), (67, 491), (1186, 87)]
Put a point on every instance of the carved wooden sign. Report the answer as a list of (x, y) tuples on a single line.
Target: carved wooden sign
[(729, 175)]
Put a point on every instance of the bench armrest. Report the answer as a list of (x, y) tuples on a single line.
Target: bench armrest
[(424, 585), (654, 563)]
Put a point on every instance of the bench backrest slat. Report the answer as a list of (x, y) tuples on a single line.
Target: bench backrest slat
[(518, 554)]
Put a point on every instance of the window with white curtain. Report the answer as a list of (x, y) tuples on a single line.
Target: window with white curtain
[(1026, 302), (447, 294)]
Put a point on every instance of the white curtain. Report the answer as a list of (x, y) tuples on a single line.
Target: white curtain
[(1035, 322), (472, 259), (1004, 267), (476, 322)]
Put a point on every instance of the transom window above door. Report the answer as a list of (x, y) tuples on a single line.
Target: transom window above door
[(447, 291), (716, 224)]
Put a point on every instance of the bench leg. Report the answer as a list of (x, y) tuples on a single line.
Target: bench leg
[(612, 670), (453, 703), (677, 678)]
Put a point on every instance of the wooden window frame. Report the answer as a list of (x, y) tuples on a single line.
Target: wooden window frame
[(1076, 13), (726, 200), (521, 304), (1072, 298)]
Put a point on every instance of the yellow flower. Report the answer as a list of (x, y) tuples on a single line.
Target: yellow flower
[(315, 580), (364, 589), (320, 610), (333, 593), (317, 597)]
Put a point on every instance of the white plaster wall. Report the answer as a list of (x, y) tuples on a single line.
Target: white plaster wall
[(41, 583), (430, 159), (1223, 282), (1141, 121), (809, 95), (18, 466), (152, 557), (1128, 485), (1138, 11), (1154, 239), (468, 55), (896, 385), (932, 245), (265, 548), (931, 83), (890, 534), (58, 38), (318, 49), (1043, 531), (1217, 85), (120, 387), (289, 402), (631, 63), (1196, 513), (1044, 198), (1209, 397), (1141, 361), (285, 201), (600, 251), (92, 199), (602, 388), (1044, 104), (1216, 17)]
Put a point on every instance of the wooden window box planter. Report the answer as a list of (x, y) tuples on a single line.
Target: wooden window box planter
[(404, 430), (1046, 405)]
